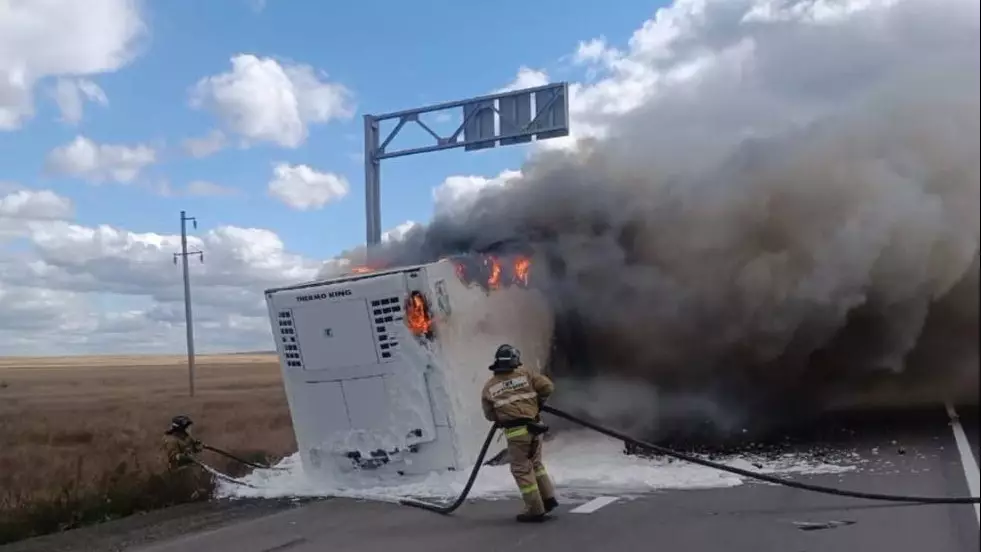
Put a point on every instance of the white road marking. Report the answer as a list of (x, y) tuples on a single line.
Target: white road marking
[(967, 458), (593, 505)]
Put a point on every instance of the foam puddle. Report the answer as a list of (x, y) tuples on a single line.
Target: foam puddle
[(582, 464)]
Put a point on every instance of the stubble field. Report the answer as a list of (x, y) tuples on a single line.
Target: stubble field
[(82, 437)]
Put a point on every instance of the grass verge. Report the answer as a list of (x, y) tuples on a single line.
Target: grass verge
[(84, 443)]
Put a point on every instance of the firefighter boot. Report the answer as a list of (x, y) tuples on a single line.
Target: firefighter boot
[(542, 479), (534, 508), (522, 454), (545, 488)]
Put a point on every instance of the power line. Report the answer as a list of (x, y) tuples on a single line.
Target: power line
[(188, 319)]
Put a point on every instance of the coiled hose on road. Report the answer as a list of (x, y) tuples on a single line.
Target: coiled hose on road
[(446, 509), (449, 508)]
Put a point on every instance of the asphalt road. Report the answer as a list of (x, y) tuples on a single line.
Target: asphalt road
[(911, 453)]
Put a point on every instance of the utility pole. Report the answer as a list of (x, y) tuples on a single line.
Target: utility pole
[(187, 295)]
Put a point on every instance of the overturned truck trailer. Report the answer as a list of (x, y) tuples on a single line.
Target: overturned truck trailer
[(383, 369)]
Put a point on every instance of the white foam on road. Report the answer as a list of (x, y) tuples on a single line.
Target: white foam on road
[(583, 465)]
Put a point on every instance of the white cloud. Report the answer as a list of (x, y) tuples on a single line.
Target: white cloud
[(304, 188), (594, 50), (71, 95), (262, 100), (526, 78), (45, 38), (22, 207), (457, 193), (399, 232), (105, 288), (83, 158), (211, 143), (27, 310), (35, 205)]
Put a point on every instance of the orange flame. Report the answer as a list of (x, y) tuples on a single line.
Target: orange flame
[(521, 266), (493, 273), (361, 269), (417, 315), (494, 280)]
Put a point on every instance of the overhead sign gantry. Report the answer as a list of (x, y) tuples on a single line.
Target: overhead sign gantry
[(506, 118)]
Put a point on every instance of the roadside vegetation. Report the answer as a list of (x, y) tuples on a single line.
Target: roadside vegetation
[(82, 439)]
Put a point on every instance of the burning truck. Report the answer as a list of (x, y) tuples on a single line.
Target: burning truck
[(383, 367)]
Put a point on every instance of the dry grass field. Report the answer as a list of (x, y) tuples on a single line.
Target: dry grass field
[(82, 436)]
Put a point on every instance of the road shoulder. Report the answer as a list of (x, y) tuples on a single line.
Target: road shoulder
[(156, 526)]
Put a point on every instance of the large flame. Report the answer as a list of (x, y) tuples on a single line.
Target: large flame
[(417, 314), (361, 269), (492, 272)]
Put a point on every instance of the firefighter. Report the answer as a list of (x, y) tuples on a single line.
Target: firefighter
[(512, 398), (180, 446)]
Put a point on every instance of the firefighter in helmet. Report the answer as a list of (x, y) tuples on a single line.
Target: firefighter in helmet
[(180, 446), (512, 398)]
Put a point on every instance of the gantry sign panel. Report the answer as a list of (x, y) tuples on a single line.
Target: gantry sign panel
[(515, 122)]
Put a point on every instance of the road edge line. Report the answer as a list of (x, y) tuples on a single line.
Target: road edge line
[(968, 462)]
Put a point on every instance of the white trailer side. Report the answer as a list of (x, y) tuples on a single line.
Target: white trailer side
[(372, 386)]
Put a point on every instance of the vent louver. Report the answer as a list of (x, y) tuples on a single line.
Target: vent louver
[(287, 333), (386, 312)]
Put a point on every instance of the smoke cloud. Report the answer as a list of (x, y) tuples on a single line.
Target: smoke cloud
[(776, 207)]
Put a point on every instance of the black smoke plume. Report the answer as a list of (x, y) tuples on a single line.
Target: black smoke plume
[(794, 228)]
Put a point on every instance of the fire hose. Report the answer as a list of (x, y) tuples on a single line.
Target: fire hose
[(761, 476), (449, 508), (446, 509), (242, 461)]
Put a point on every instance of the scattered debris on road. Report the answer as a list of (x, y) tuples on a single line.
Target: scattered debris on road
[(818, 525)]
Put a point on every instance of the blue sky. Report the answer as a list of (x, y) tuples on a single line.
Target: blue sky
[(98, 100), (391, 55)]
